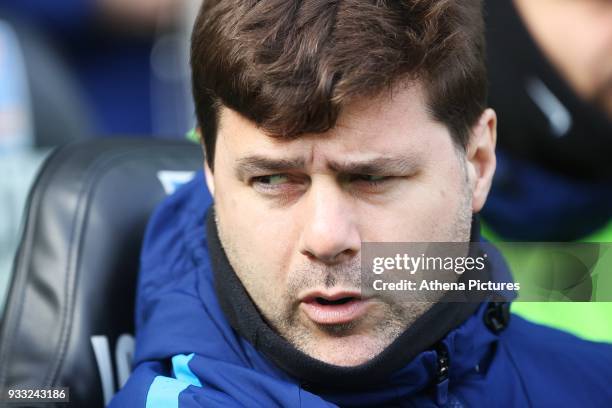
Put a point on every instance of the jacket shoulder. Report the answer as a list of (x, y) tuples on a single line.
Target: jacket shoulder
[(555, 365)]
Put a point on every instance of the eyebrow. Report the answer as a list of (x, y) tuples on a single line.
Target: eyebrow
[(256, 164), (376, 166)]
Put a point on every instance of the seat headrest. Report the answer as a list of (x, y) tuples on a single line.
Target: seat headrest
[(73, 286)]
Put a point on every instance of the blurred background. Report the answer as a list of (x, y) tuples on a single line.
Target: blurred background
[(74, 69), (77, 69), (550, 81)]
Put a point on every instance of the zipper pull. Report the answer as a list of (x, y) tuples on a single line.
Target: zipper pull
[(497, 316)]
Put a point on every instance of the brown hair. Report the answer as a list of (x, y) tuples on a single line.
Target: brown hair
[(291, 65)]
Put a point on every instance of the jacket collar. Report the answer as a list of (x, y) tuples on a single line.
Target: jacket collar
[(451, 331)]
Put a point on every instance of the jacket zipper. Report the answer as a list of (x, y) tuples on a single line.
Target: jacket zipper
[(442, 375)]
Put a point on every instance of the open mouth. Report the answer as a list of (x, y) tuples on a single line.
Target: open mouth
[(341, 301), (339, 308)]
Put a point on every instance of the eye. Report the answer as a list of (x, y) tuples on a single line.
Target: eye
[(272, 180), (282, 187), (370, 179)]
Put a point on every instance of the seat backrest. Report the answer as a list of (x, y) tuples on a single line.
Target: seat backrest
[(69, 313)]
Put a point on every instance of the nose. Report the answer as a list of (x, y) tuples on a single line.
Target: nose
[(330, 233)]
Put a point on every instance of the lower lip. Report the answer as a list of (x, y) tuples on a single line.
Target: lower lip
[(335, 314)]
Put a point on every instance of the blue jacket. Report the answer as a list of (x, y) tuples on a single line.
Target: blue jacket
[(527, 201), (187, 355)]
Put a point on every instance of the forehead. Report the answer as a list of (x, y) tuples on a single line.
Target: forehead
[(386, 125)]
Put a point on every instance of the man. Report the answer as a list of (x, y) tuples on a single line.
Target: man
[(328, 124)]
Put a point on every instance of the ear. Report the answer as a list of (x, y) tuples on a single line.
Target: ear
[(210, 180), (481, 160), (208, 174)]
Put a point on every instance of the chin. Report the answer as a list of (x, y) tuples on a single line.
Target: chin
[(346, 352)]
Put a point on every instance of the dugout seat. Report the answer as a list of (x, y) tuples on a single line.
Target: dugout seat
[(68, 319)]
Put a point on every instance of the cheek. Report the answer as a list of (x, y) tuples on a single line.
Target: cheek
[(411, 221), (422, 210), (262, 237)]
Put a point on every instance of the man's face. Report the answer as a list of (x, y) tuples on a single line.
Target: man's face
[(292, 216)]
